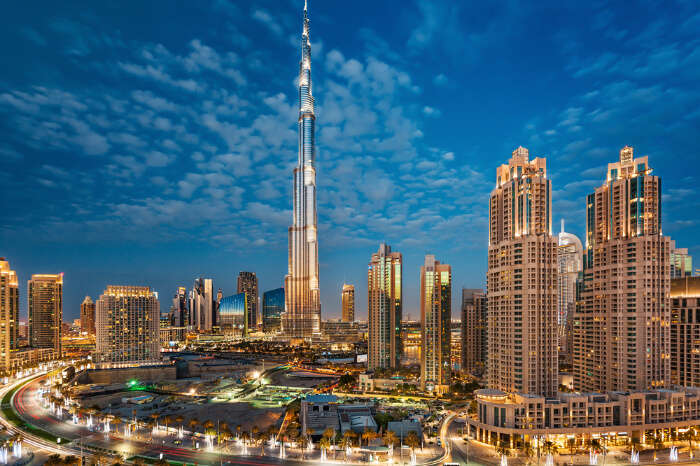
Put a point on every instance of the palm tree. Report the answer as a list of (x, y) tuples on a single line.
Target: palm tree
[(329, 433), (116, 421), (412, 441), (346, 442), (324, 444), (550, 448), (155, 417), (167, 420), (238, 431), (527, 451), (71, 460), (656, 443), (571, 443), (368, 435), (54, 460), (503, 449), (690, 435), (390, 438)]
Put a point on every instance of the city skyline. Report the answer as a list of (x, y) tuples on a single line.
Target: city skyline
[(381, 189)]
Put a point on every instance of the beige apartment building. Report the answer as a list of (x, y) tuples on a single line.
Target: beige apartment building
[(522, 280), (87, 316), (9, 313), (45, 301), (685, 331), (474, 339), (384, 308), (347, 302), (436, 329), (622, 325)]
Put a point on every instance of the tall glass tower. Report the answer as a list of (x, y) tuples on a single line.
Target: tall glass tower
[(302, 316)]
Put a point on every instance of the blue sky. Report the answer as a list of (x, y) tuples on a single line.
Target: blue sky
[(148, 143)]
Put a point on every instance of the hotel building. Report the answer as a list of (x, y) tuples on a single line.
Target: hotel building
[(248, 284), (273, 306), (87, 316), (570, 262), (45, 302), (9, 313), (474, 337), (384, 308), (436, 319), (685, 331), (347, 302)]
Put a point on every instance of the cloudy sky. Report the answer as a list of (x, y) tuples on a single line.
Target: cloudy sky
[(147, 143)]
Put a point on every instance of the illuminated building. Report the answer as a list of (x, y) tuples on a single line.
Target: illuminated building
[(622, 327), (522, 280), (248, 284), (685, 331), (45, 301), (302, 316), (87, 316), (233, 311), (180, 316), (202, 305), (474, 322), (9, 312), (681, 262), (128, 326), (273, 306), (347, 302), (384, 308), (570, 260), (436, 318)]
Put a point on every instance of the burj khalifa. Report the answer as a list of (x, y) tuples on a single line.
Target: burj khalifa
[(302, 315)]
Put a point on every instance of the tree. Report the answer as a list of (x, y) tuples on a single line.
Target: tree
[(166, 421), (368, 435), (54, 460), (550, 448), (324, 444), (527, 451), (390, 438), (412, 441), (503, 449), (329, 434)]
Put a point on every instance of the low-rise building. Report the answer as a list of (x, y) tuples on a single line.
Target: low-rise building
[(369, 383), (321, 412)]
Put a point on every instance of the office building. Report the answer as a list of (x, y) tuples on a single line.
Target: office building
[(436, 317), (180, 317), (45, 302), (202, 305), (570, 263), (622, 327), (87, 316), (302, 316), (273, 307), (384, 308), (248, 284), (474, 326), (233, 311), (128, 326), (9, 313), (681, 262), (522, 280), (347, 302), (685, 331)]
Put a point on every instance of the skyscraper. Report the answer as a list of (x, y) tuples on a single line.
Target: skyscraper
[(474, 322), (681, 262), (302, 316), (522, 280), (436, 319), (248, 284), (347, 302), (621, 328), (233, 311), (570, 263), (180, 312), (384, 308), (685, 331), (273, 306), (9, 312), (45, 301), (128, 324), (202, 304), (87, 316)]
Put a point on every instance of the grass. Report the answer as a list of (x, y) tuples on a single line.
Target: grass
[(149, 460), (10, 414)]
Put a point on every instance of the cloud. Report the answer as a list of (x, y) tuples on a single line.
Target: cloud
[(440, 80), (431, 111), (268, 20)]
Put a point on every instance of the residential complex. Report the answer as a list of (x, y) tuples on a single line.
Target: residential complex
[(202, 305), (681, 262), (87, 316), (622, 327), (474, 336), (384, 308), (522, 280), (45, 303), (9, 313), (127, 326), (347, 303), (248, 284), (570, 267), (685, 331), (436, 318)]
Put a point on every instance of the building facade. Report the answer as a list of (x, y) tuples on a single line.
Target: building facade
[(522, 280), (128, 326), (685, 331), (9, 313), (302, 316), (384, 308), (681, 262), (233, 312), (45, 301), (202, 305), (273, 307), (180, 316), (347, 303), (248, 284), (87, 316), (622, 327), (436, 317), (474, 336), (570, 262)]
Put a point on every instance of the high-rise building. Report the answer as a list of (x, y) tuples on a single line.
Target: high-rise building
[(45, 302), (233, 311), (347, 302), (522, 280), (202, 304), (474, 323), (273, 307), (87, 316), (248, 284), (436, 318), (180, 311), (681, 262), (302, 316), (384, 308), (128, 325), (570, 262), (685, 331), (622, 327), (9, 313)]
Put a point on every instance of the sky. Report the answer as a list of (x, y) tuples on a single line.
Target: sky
[(148, 143)]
